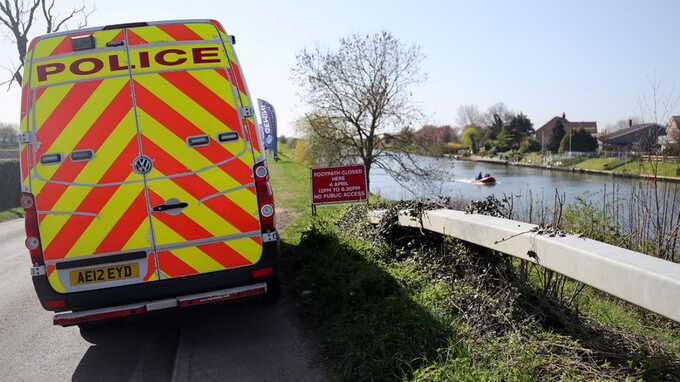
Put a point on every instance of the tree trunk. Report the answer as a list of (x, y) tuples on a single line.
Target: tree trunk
[(368, 164)]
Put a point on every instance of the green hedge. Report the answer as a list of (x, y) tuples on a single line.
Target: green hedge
[(10, 187)]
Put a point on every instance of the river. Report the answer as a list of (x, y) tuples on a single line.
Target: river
[(515, 180)]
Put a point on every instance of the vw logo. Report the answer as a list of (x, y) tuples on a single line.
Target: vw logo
[(142, 164)]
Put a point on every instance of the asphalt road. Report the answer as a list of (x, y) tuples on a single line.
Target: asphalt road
[(245, 341)]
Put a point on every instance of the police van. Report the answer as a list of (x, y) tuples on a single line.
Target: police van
[(144, 181)]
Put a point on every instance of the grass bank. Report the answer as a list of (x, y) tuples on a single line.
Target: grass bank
[(606, 164), (649, 168), (390, 304)]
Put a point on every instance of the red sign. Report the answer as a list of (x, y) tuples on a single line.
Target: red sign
[(339, 184)]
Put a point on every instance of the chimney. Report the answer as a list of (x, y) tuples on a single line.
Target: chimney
[(564, 115), (630, 123)]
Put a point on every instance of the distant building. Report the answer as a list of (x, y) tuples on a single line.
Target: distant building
[(545, 133), (635, 137), (675, 126), (672, 137)]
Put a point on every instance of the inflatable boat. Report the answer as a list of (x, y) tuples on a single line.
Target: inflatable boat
[(485, 181)]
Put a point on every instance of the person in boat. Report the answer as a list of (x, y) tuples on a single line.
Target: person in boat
[(487, 175), (479, 176)]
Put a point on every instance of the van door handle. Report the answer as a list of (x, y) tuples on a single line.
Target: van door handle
[(170, 206)]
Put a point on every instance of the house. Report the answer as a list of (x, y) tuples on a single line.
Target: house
[(674, 128), (636, 137), (545, 133)]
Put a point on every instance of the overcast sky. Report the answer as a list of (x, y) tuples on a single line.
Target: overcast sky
[(589, 59)]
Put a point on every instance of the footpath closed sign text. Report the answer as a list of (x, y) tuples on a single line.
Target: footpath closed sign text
[(340, 184)]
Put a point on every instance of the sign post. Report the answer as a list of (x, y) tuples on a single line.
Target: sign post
[(340, 184)]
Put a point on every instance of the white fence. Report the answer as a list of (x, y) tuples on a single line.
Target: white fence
[(643, 280)]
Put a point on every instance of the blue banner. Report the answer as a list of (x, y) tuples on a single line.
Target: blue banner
[(268, 122)]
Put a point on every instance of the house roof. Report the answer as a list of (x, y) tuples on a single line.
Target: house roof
[(676, 119), (588, 126), (630, 130)]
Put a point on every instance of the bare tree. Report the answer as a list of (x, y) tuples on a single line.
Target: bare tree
[(321, 141), (469, 115), (361, 91), (659, 102), (19, 16), (498, 109)]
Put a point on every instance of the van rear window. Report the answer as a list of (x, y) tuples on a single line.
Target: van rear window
[(50, 158), (227, 136), (82, 155)]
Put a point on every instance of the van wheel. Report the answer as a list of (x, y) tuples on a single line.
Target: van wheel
[(273, 290), (95, 332)]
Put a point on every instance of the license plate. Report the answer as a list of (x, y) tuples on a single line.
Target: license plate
[(104, 274)]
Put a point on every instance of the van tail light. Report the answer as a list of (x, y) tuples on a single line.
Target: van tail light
[(262, 272), (32, 233), (265, 197), (55, 304)]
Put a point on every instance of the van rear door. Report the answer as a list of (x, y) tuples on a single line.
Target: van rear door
[(201, 187), (91, 204)]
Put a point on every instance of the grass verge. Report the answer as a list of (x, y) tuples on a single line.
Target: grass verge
[(13, 213), (290, 181), (401, 305)]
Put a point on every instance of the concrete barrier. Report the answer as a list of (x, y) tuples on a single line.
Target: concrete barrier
[(643, 280)]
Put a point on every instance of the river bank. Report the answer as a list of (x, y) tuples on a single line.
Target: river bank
[(671, 179), (389, 304)]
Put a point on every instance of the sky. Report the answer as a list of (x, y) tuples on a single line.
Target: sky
[(592, 60)]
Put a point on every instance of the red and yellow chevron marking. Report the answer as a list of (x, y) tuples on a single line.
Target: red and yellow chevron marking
[(198, 32), (166, 123), (24, 126), (237, 208), (151, 273), (103, 126), (173, 32), (105, 111), (235, 73), (178, 108), (60, 233), (198, 259)]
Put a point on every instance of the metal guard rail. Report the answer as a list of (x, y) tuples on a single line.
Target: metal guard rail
[(643, 280)]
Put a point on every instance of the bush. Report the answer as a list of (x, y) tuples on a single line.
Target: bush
[(529, 146), (512, 155), (471, 137), (302, 153), (452, 148), (581, 141), (10, 186)]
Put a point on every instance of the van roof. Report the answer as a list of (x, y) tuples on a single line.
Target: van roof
[(123, 25)]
